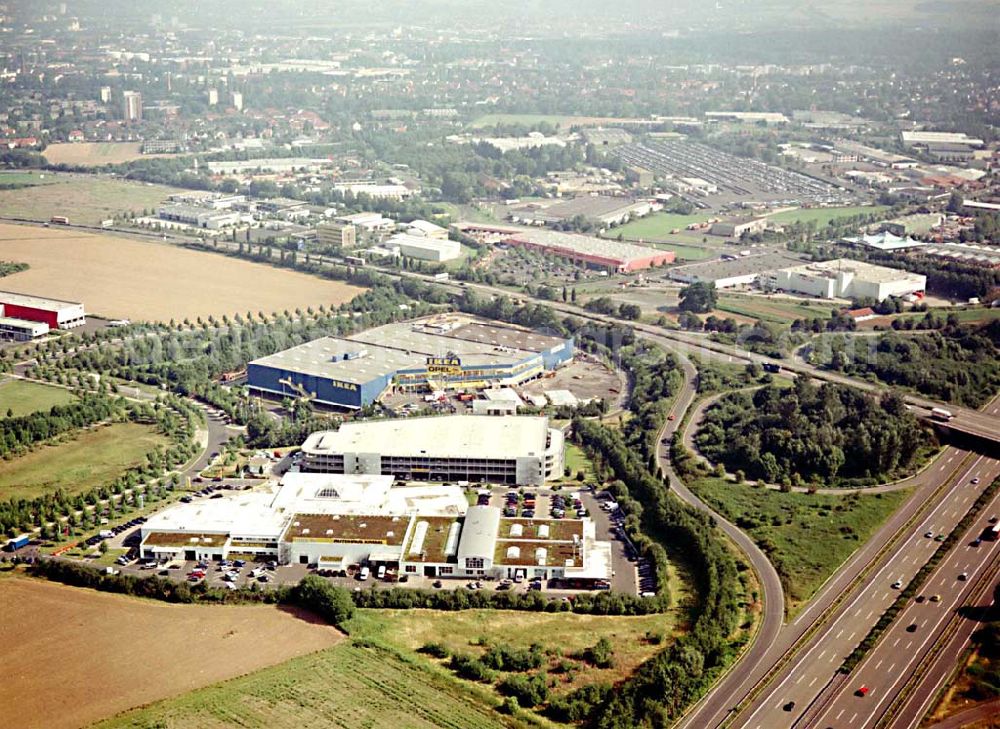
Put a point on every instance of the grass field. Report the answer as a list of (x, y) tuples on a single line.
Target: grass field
[(576, 460), (561, 634), (806, 536), (657, 225), (163, 282), (779, 311), (30, 397), (823, 216), (84, 199), (96, 153), (71, 656), (26, 178), (92, 458), (975, 315)]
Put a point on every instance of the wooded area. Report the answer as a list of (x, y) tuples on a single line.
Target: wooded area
[(827, 434)]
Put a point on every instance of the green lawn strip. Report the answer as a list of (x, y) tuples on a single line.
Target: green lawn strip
[(806, 536), (24, 398), (77, 464)]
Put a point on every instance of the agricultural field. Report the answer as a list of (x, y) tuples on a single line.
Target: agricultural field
[(84, 199), (823, 216), (109, 653), (806, 536), (92, 457), (164, 282), (23, 398), (657, 225), (96, 153)]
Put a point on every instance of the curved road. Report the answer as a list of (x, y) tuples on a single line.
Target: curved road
[(772, 592)]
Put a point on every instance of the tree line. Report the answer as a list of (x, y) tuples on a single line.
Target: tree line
[(18, 435)]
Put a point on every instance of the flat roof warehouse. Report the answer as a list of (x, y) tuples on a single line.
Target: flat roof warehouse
[(453, 351), (623, 257), (446, 437)]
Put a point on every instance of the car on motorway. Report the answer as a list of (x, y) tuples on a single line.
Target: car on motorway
[(862, 691), (963, 576), (919, 599), (975, 481), (789, 706), (977, 541), (897, 584), (993, 520), (911, 628), (935, 598), (929, 535)]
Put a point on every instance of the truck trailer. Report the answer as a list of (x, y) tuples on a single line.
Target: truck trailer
[(18, 542)]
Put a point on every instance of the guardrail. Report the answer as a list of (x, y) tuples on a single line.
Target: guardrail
[(821, 620), (980, 587)]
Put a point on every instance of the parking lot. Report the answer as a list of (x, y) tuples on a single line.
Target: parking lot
[(629, 573)]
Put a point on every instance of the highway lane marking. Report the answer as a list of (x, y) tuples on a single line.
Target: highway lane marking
[(878, 665), (820, 656), (799, 680), (840, 632), (841, 714), (851, 636), (945, 614), (815, 678), (869, 615), (896, 643), (908, 645), (851, 722), (880, 574)]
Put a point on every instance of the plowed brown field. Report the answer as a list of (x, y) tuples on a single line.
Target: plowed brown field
[(70, 657), (128, 279)]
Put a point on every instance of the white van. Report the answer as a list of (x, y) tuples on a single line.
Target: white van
[(363, 574)]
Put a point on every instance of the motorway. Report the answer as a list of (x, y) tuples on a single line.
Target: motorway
[(815, 666), (891, 666)]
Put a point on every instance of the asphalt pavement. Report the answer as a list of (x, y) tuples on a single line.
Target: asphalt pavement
[(886, 670), (813, 670)]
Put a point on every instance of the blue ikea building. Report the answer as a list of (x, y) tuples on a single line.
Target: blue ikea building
[(442, 353)]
